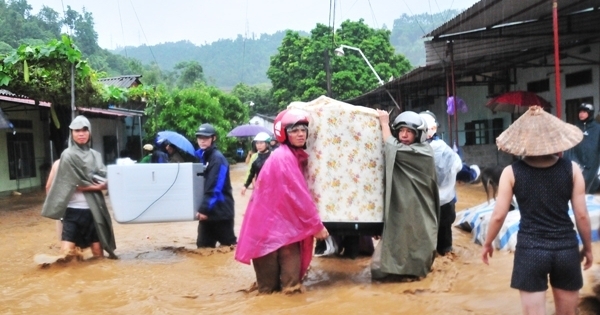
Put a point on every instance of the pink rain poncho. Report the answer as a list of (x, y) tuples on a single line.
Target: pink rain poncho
[(280, 212)]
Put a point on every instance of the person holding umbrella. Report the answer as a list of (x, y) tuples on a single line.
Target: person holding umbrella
[(174, 156), (216, 213)]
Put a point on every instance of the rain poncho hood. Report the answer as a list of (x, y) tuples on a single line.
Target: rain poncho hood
[(280, 212), (447, 165), (78, 163), (412, 210)]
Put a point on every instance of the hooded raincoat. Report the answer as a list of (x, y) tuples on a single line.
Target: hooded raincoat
[(587, 154), (280, 212), (411, 210), (78, 164)]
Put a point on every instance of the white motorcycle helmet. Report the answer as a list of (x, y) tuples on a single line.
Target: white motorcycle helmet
[(411, 120), (431, 122), (262, 136)]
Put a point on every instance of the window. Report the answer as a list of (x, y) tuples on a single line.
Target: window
[(479, 131), (578, 78), (21, 158), (539, 86)]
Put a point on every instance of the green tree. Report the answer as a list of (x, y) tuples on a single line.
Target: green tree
[(82, 25), (183, 110), (190, 73), (44, 73), (297, 71), (260, 96), (408, 31)]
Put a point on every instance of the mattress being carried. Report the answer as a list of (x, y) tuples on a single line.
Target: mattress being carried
[(346, 161)]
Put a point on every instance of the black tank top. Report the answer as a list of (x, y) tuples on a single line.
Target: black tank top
[(543, 196)]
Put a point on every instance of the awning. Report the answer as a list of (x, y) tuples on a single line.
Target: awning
[(110, 112), (486, 15)]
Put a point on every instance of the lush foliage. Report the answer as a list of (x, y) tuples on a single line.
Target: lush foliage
[(297, 71), (408, 31), (183, 110), (226, 62), (258, 98)]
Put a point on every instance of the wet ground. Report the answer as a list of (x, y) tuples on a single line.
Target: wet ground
[(161, 272)]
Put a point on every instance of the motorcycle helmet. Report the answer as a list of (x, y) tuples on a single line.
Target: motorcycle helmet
[(286, 119), (431, 122), (262, 136), (411, 120)]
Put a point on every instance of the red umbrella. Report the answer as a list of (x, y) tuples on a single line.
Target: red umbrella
[(516, 102)]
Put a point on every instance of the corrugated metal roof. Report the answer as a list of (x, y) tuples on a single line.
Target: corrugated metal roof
[(124, 81), (487, 14), (486, 51), (108, 112), (8, 96)]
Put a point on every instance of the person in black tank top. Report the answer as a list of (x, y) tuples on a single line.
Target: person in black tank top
[(543, 184)]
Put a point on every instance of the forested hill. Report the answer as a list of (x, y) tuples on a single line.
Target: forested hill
[(225, 62), (228, 62)]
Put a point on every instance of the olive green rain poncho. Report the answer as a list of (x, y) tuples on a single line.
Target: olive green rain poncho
[(411, 213), (78, 164)]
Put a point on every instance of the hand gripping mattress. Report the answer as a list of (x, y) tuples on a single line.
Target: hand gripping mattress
[(346, 164)]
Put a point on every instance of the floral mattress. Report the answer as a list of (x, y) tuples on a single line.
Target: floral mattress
[(346, 162)]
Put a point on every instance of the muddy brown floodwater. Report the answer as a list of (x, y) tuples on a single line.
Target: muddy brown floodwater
[(161, 272)]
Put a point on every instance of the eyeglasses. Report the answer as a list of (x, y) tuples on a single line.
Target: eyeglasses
[(296, 129)]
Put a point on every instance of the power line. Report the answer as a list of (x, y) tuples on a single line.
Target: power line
[(140, 24), (122, 29)]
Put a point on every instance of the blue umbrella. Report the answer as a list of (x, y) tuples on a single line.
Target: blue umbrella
[(248, 131), (177, 140)]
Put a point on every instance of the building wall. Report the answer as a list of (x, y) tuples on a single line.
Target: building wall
[(39, 149), (103, 127), (257, 120), (477, 96)]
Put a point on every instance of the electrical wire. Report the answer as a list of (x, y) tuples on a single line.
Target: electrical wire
[(157, 199), (140, 24), (122, 29), (373, 14)]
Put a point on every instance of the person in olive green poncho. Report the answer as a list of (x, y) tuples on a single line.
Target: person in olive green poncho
[(412, 206), (76, 195)]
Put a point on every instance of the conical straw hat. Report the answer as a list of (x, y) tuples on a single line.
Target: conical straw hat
[(538, 133)]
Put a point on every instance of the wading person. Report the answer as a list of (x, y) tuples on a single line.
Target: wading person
[(411, 207), (447, 166), (216, 212), (281, 218), (543, 183), (261, 141), (76, 195)]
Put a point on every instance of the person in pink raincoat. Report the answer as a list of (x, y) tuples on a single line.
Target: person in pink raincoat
[(281, 218)]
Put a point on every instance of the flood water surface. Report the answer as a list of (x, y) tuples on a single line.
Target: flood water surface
[(160, 271)]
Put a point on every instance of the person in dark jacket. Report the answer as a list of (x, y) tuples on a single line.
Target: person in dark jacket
[(261, 141), (587, 153), (216, 213)]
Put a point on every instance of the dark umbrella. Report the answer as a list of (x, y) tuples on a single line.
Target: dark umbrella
[(177, 140), (516, 102), (248, 131)]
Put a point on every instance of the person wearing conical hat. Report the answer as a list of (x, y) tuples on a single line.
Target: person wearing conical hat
[(587, 153), (543, 184)]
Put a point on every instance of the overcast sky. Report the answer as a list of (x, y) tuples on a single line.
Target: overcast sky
[(137, 22)]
